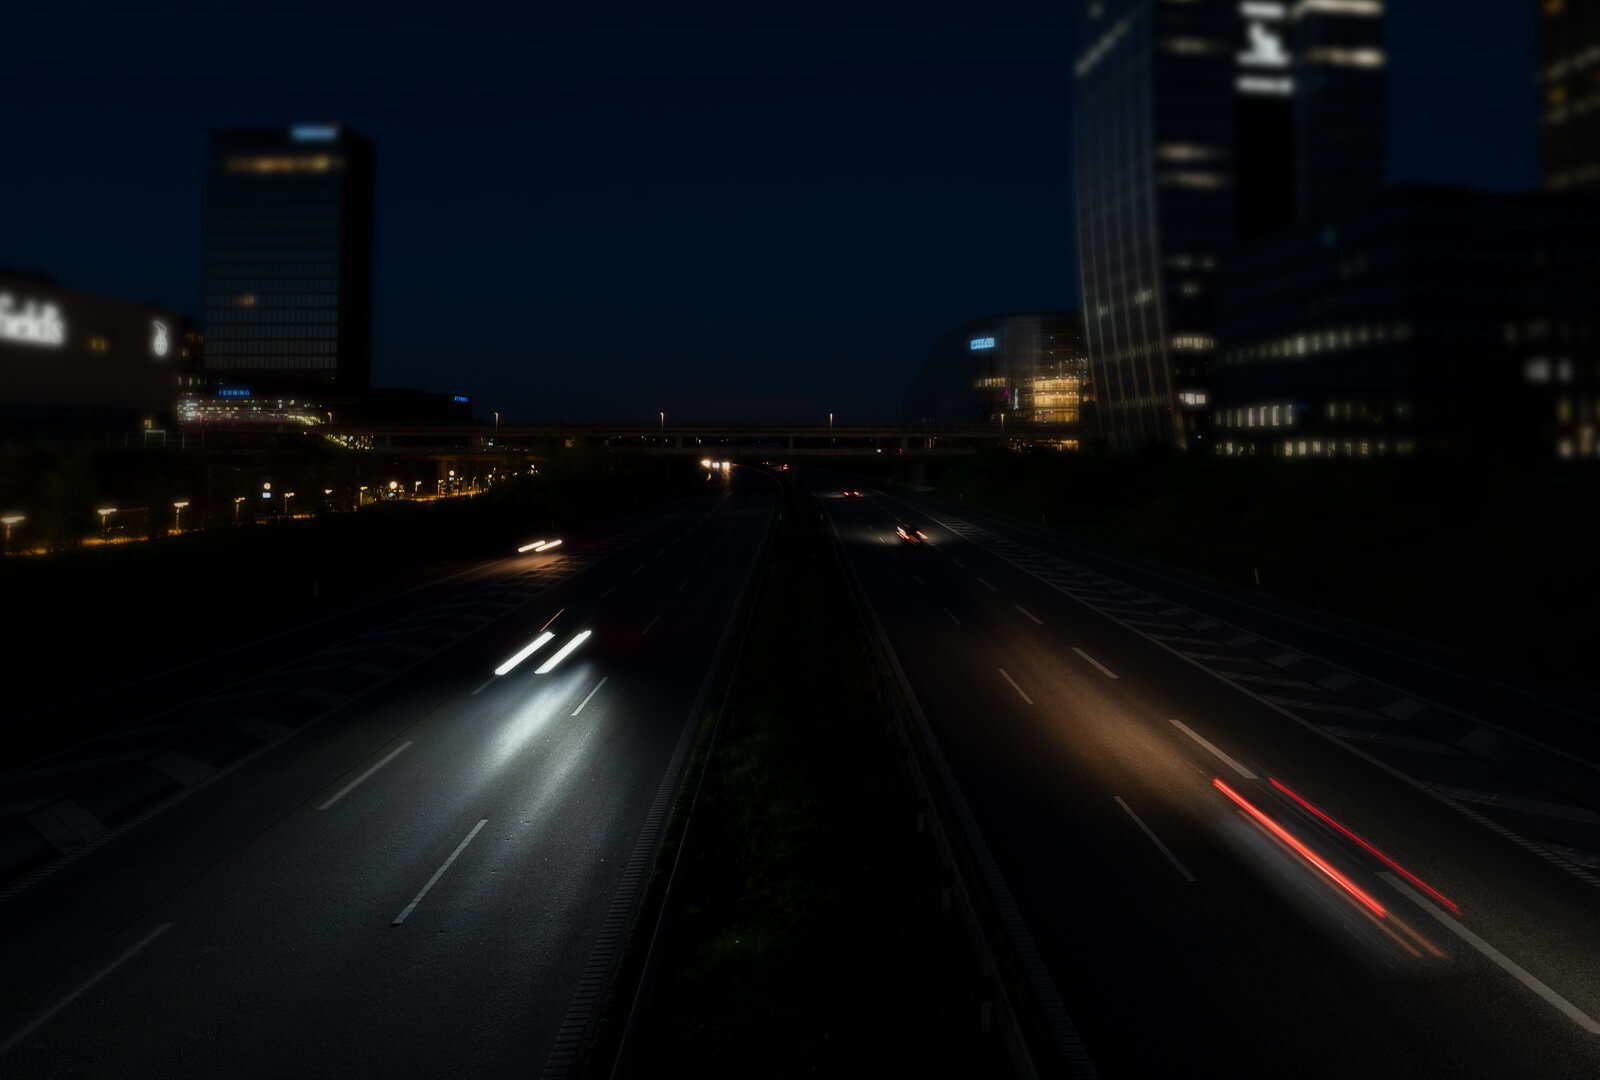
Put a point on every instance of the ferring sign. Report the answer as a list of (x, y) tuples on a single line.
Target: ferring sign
[(35, 323)]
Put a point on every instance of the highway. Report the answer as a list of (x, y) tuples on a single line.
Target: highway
[(368, 854), (1236, 856)]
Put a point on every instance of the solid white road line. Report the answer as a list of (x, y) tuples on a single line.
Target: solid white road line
[(952, 615), (1218, 754), (652, 623), (1508, 965), (351, 786), (1015, 687), (1036, 620), (991, 588), (70, 998), (1107, 672), (589, 695), (1154, 839), (437, 874)]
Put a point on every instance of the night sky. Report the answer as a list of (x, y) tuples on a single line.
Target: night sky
[(746, 213)]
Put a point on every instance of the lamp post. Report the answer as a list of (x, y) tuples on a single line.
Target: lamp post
[(105, 513), (237, 500), (830, 429), (10, 520), (177, 514), (287, 495)]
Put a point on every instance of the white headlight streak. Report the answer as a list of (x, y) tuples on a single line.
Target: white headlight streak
[(565, 651), (527, 650)]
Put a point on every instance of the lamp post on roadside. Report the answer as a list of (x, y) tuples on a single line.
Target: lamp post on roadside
[(177, 514), (105, 520), (10, 520)]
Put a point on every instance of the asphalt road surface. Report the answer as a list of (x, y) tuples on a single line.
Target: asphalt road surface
[(361, 851), (1241, 855)]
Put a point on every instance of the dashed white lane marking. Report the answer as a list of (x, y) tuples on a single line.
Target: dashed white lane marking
[(1015, 687), (1506, 964), (984, 582), (589, 695), (180, 767), (958, 563), (1036, 620), (70, 998), (681, 584), (1218, 754), (351, 786), (1402, 708), (437, 874), (1156, 840), (608, 592), (919, 581), (651, 623), (1107, 672), (952, 615)]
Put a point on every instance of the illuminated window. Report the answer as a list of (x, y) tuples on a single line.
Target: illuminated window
[(1536, 369), (1368, 58)]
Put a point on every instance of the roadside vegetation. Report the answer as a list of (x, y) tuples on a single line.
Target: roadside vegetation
[(807, 936), (1493, 561)]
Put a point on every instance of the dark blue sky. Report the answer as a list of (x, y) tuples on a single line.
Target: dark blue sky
[(764, 215)]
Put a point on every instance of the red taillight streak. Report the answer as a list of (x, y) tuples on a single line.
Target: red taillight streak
[(1316, 860), (1396, 867)]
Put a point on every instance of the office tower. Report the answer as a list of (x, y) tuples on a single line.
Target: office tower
[(289, 259), (1027, 371), (1201, 124), (1569, 94)]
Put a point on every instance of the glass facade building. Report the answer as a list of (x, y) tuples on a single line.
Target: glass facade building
[(289, 259), (1022, 370), (1569, 94), (1201, 124), (1431, 320)]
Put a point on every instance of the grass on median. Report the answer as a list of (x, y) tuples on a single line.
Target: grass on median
[(809, 937)]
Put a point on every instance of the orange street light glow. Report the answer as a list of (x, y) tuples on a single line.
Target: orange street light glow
[(1312, 857)]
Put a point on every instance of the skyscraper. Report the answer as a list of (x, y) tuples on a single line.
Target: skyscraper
[(1569, 94), (289, 258), (1199, 124)]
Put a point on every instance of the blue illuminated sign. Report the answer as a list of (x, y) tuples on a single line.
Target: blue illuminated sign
[(981, 343), (233, 391), (462, 399), (314, 132)]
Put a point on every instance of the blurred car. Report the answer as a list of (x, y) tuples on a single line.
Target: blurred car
[(852, 494), (910, 534)]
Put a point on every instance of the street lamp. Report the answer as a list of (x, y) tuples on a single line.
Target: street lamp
[(105, 518), (177, 515), (287, 495), (10, 520), (237, 500), (830, 429)]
